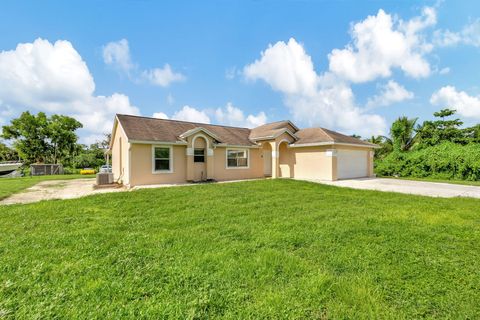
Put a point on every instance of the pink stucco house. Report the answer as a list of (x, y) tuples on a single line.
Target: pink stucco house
[(158, 151)]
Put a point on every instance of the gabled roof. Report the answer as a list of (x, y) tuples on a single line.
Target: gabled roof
[(273, 130), (143, 129), (199, 129)]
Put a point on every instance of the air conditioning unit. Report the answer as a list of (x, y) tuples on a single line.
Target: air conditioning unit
[(104, 178)]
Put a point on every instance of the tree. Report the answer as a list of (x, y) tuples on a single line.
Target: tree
[(38, 138), (431, 133), (61, 133), (473, 133), (7, 153), (402, 133), (29, 133), (92, 156), (385, 144)]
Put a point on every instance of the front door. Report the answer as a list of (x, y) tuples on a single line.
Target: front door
[(199, 165)]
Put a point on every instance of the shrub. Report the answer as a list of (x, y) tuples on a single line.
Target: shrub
[(445, 161)]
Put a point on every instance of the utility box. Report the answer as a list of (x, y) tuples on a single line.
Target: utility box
[(104, 178)]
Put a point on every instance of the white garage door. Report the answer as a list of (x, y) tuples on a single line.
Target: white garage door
[(352, 164)]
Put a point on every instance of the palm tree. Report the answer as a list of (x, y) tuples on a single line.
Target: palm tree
[(402, 133), (385, 144)]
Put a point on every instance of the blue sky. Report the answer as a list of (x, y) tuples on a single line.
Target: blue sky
[(241, 62)]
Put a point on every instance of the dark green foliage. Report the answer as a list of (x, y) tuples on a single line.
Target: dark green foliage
[(271, 249), (385, 144), (431, 133), (436, 149), (447, 160), (402, 133), (30, 135), (92, 156), (7, 153), (61, 133), (39, 139)]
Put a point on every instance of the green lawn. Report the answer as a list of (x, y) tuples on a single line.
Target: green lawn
[(278, 249), (9, 186)]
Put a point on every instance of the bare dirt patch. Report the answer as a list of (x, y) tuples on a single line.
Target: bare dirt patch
[(58, 189)]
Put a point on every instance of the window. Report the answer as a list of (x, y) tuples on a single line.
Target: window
[(162, 159), (198, 155), (237, 158)]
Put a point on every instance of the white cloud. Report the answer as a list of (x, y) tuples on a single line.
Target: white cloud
[(446, 38), (233, 116), (117, 54), (160, 115), (313, 100), (390, 93), (191, 114), (469, 35), (449, 97), (229, 115), (445, 70), (53, 77), (381, 43), (285, 67), (230, 73), (163, 77)]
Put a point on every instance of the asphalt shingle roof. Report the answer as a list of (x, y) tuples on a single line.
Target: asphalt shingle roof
[(163, 130)]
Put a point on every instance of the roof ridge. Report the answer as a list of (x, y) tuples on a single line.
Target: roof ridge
[(336, 132), (173, 120), (326, 133)]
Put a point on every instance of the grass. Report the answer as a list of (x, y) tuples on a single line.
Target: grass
[(462, 182), (277, 249), (9, 186)]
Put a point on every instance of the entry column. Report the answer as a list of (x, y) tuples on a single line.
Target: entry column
[(275, 155)]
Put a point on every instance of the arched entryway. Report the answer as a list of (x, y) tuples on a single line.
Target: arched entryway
[(200, 146), (285, 161), (267, 159)]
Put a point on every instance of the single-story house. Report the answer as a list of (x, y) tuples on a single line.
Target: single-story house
[(159, 151)]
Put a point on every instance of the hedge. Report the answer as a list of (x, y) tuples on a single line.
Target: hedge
[(444, 161)]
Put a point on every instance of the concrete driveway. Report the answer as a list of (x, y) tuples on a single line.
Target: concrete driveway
[(431, 189), (57, 189)]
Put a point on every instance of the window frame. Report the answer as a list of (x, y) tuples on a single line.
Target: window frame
[(194, 155), (170, 159), (247, 152)]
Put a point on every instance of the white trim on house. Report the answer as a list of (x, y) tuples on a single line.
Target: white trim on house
[(170, 159), (177, 143), (317, 144), (198, 129), (224, 145), (238, 149), (202, 136)]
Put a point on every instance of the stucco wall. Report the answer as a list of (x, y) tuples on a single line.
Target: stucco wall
[(222, 173), (311, 163), (120, 163), (142, 165)]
